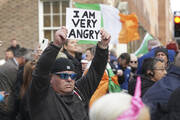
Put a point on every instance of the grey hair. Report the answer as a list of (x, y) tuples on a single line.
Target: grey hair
[(29, 55), (21, 52)]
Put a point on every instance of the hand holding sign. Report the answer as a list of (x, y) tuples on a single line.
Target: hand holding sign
[(60, 37), (83, 24), (105, 39)]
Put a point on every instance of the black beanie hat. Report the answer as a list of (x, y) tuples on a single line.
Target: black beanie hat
[(164, 50), (62, 64)]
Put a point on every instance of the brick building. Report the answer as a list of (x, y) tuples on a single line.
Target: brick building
[(155, 16), (19, 20), (29, 21)]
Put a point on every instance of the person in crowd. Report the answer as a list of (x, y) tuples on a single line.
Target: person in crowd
[(113, 57), (29, 56), (57, 96), (8, 55), (113, 61), (172, 112), (120, 106), (21, 104), (123, 71), (162, 53), (8, 75), (153, 70), (37, 52), (90, 53), (14, 46), (84, 64), (71, 51), (133, 63), (157, 96), (172, 46), (152, 46)]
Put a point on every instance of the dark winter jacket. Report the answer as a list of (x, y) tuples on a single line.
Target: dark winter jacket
[(173, 107), (46, 104), (158, 95), (146, 83)]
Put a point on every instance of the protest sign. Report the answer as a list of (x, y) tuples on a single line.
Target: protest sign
[(83, 24)]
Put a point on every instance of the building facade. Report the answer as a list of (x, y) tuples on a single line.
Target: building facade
[(155, 16), (18, 20), (30, 21)]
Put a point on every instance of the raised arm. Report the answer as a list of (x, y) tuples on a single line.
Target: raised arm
[(41, 75), (88, 84)]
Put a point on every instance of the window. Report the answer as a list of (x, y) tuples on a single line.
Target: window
[(52, 15)]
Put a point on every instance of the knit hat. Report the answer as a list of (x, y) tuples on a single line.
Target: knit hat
[(62, 64), (164, 50), (172, 46)]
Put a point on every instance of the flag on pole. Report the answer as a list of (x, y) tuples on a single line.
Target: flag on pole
[(110, 20), (143, 49), (129, 31)]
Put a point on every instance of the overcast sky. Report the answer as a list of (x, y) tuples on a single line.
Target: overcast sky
[(175, 5)]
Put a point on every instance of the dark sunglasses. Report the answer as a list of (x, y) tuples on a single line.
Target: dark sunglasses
[(133, 62), (65, 76)]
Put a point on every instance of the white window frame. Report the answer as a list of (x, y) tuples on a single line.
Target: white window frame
[(41, 19)]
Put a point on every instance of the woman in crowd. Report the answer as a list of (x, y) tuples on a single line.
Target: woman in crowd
[(27, 77), (71, 51)]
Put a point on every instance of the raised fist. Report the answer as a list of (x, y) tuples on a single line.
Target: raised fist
[(60, 36)]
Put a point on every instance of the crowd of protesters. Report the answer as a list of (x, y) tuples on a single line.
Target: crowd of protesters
[(61, 83)]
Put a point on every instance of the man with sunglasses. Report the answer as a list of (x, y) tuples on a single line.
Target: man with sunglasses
[(54, 94)]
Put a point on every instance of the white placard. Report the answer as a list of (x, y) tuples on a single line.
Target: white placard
[(83, 24)]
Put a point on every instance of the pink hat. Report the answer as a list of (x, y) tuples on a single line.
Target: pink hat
[(136, 104)]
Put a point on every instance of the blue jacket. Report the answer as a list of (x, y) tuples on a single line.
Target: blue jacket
[(126, 75), (158, 95), (171, 55)]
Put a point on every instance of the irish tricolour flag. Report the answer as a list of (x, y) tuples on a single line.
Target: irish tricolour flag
[(110, 20)]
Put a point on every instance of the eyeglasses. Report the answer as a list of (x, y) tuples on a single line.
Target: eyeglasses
[(133, 62), (162, 69), (65, 76)]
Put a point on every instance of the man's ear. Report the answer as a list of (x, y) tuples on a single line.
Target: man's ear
[(150, 73)]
